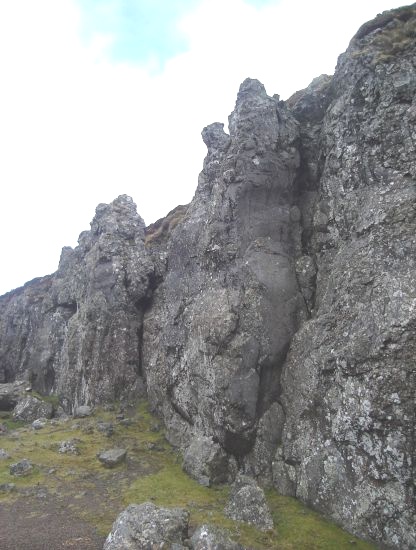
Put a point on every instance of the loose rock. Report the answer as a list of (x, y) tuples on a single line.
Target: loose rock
[(30, 408), (209, 537), (248, 503), (21, 468), (142, 526), (112, 457), (206, 461)]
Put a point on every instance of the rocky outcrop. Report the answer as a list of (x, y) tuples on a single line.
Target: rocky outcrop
[(77, 333), (348, 384), (222, 319), (273, 318)]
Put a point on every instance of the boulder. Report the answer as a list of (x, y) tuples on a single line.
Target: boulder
[(107, 428), (248, 503), (10, 394), (39, 423), (30, 408), (145, 525), (112, 457), (21, 468), (82, 411), (209, 537), (69, 446), (206, 461)]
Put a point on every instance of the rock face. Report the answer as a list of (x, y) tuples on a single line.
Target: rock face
[(349, 381), (223, 317), (272, 320), (78, 333)]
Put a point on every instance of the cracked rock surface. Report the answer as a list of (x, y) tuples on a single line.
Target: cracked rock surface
[(272, 320)]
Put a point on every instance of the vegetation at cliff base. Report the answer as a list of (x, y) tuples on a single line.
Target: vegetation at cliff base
[(152, 472)]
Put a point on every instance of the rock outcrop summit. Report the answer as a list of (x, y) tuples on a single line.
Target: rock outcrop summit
[(272, 321)]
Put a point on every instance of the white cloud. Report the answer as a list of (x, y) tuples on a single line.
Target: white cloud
[(76, 129)]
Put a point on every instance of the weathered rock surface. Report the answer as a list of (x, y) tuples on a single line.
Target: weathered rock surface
[(248, 503), (145, 525), (112, 457), (207, 462), (10, 394), (69, 446), (21, 468), (210, 537), (348, 387), (223, 317), (77, 333), (272, 319), (30, 408), (82, 411)]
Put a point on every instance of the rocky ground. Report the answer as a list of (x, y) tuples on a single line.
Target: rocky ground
[(68, 498)]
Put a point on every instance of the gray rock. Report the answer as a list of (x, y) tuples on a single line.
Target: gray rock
[(77, 332), (70, 446), (148, 526), (82, 411), (275, 314), (4, 455), (39, 423), (21, 468), (112, 457), (248, 503), (10, 394), (107, 428), (31, 408), (206, 461), (3, 429), (210, 537)]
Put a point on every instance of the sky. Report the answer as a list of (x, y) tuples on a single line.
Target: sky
[(100, 98)]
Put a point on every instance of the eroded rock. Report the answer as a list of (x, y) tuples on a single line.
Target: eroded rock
[(112, 457), (207, 462), (145, 525), (248, 503), (21, 468), (210, 537)]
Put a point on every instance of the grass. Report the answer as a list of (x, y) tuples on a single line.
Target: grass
[(152, 473)]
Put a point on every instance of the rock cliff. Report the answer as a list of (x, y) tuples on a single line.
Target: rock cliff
[(272, 321)]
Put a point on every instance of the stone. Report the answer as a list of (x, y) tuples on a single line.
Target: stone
[(107, 428), (210, 537), (69, 446), (39, 423), (82, 411), (3, 429), (31, 408), (248, 503), (10, 394), (112, 457), (4, 455), (21, 468), (206, 462), (145, 525)]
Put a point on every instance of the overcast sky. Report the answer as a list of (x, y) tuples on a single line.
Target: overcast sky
[(104, 97)]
